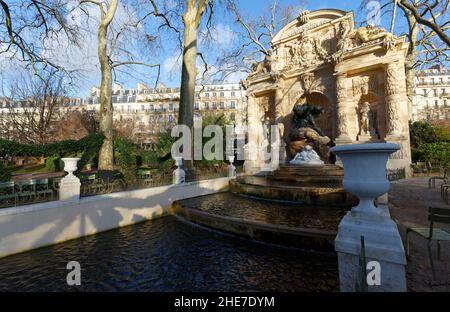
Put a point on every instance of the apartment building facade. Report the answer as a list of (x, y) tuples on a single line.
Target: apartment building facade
[(153, 110), (431, 99)]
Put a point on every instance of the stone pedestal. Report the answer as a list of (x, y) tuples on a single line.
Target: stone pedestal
[(365, 177), (69, 188), (382, 244)]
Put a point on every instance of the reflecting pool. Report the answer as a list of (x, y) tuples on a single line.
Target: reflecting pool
[(167, 254)]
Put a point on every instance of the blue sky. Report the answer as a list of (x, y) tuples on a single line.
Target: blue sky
[(167, 54), (255, 8)]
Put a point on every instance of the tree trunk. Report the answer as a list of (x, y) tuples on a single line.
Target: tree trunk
[(410, 58), (188, 75), (106, 154)]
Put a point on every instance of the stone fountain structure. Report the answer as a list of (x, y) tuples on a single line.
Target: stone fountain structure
[(352, 81)]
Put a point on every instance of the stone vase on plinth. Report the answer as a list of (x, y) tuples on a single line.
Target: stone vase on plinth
[(69, 189), (231, 167), (179, 176), (365, 177)]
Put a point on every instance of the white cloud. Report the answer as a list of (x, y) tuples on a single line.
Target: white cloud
[(172, 64), (223, 35)]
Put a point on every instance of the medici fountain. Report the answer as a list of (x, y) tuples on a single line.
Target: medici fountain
[(323, 84), (327, 118)]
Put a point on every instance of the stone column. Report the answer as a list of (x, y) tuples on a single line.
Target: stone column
[(251, 149), (341, 110), (278, 144), (393, 101)]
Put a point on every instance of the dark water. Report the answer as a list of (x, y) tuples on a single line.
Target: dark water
[(278, 213), (169, 255)]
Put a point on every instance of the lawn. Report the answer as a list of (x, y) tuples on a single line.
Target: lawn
[(31, 169)]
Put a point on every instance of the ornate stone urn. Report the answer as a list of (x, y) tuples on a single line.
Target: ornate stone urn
[(70, 185), (70, 165), (365, 173), (365, 177)]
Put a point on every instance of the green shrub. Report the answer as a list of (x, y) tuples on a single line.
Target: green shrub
[(61, 148), (54, 163), (125, 153), (5, 173), (437, 152), (86, 148)]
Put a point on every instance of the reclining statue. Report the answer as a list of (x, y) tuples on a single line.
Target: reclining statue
[(307, 157)]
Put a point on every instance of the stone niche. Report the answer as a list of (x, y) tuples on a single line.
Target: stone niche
[(356, 75)]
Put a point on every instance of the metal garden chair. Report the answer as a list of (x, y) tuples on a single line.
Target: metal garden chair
[(435, 215), (8, 192), (42, 188), (27, 189), (444, 178)]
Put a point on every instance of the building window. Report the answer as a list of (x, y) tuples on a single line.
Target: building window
[(161, 108), (171, 107), (222, 94), (207, 94), (129, 108), (214, 94), (206, 105), (233, 93), (436, 103), (142, 108), (152, 107), (196, 106), (222, 105), (214, 105), (435, 92), (425, 93), (232, 104)]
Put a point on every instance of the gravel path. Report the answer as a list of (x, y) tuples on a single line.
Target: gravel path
[(409, 201)]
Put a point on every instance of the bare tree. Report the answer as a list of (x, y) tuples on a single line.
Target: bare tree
[(27, 25), (425, 44), (109, 50), (35, 105), (428, 13), (255, 36)]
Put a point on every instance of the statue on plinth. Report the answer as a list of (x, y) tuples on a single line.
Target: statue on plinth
[(306, 132), (363, 113), (307, 157)]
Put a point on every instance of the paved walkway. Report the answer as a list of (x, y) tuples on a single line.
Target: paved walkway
[(409, 201)]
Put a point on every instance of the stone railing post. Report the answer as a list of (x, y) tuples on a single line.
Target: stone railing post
[(365, 177), (231, 167), (179, 176), (69, 188)]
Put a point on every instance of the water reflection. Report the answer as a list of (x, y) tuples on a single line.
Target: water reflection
[(169, 255)]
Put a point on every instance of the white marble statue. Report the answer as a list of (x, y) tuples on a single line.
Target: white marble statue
[(307, 157)]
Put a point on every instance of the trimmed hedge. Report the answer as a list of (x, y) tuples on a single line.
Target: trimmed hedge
[(88, 147)]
